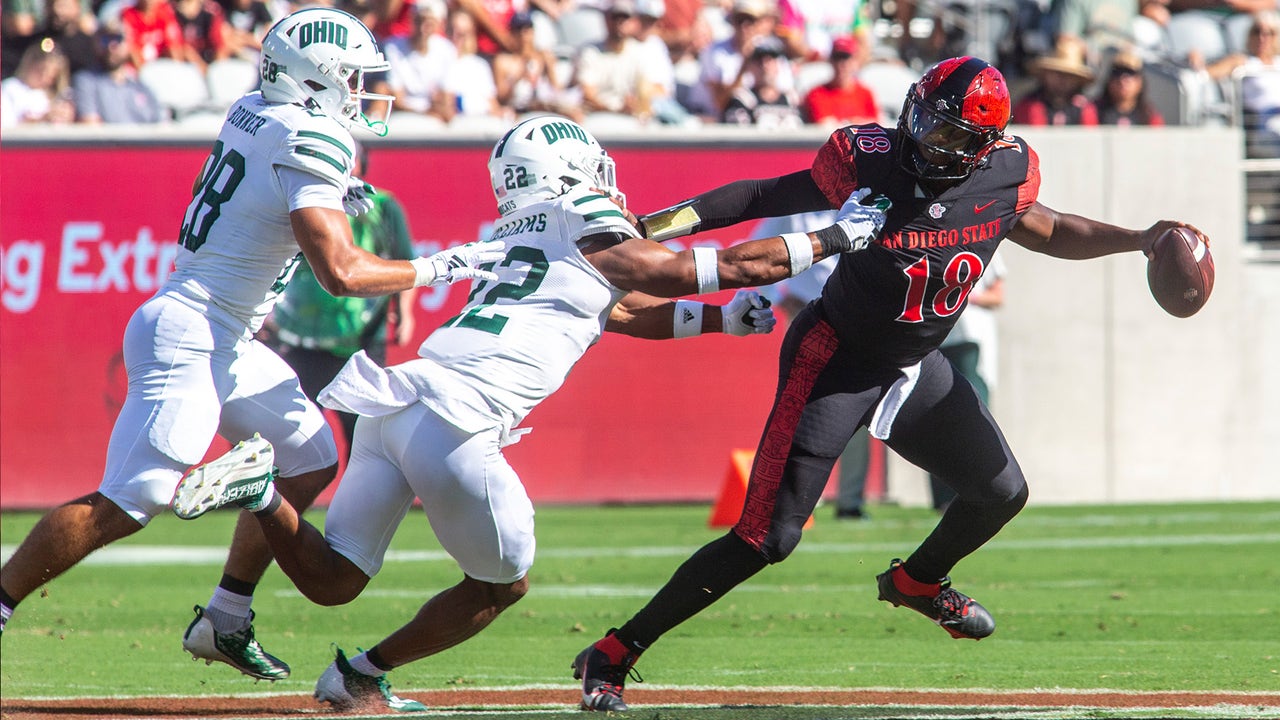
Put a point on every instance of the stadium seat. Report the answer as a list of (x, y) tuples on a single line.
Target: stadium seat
[(577, 28), (545, 32), (812, 74), (229, 79), (1151, 38), (179, 87), (1194, 30), (1237, 30), (889, 82), (1186, 97)]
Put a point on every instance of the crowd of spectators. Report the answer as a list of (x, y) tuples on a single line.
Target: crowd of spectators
[(774, 64)]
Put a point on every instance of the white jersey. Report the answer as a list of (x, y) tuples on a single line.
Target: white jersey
[(517, 339), (238, 245)]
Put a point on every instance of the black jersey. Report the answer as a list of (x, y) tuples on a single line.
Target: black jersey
[(896, 300)]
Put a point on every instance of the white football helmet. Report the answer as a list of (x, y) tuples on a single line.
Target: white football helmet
[(545, 157), (318, 57)]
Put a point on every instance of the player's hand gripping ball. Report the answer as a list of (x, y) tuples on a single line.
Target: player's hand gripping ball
[(1180, 272)]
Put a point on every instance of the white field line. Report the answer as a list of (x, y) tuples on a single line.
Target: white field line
[(206, 555), (943, 693)]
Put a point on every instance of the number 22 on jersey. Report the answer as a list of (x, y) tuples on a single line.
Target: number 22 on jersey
[(483, 316)]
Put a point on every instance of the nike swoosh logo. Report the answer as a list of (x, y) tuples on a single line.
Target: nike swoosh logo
[(979, 208)]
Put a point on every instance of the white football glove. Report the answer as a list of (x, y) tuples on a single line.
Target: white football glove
[(459, 263), (858, 223), (359, 197), (748, 314)]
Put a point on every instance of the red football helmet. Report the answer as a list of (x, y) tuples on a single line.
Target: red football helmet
[(952, 117)]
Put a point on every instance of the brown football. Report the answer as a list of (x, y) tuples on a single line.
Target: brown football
[(1180, 272)]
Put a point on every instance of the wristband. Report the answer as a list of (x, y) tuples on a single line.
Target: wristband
[(687, 319), (705, 267), (425, 271), (800, 248), (833, 240)]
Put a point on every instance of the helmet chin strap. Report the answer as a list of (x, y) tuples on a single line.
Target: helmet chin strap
[(377, 127)]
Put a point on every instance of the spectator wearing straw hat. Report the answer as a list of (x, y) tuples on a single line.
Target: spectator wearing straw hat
[(1058, 98)]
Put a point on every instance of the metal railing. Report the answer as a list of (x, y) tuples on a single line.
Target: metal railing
[(1250, 88)]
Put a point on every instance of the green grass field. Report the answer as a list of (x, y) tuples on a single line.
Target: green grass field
[(1135, 598)]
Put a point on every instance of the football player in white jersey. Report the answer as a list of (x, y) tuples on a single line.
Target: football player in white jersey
[(433, 428), (273, 189)]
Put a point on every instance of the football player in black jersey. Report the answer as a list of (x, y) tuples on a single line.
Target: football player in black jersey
[(866, 352)]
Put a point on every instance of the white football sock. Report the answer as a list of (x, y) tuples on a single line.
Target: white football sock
[(361, 664), (228, 611)]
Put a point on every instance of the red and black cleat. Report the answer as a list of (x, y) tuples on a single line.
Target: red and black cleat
[(603, 669), (951, 609)]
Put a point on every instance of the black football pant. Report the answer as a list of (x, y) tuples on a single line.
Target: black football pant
[(825, 392)]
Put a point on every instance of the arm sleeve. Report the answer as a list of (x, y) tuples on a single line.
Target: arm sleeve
[(753, 199)]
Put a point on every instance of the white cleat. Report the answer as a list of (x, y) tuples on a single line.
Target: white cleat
[(240, 477)]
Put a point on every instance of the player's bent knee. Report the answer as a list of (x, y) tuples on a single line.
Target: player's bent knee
[(1018, 499), (341, 581), (331, 594), (508, 595), (780, 544), (500, 596)]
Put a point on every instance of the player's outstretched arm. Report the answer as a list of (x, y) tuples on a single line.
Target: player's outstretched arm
[(1073, 237), (733, 203), (647, 266), (345, 270), (645, 316)]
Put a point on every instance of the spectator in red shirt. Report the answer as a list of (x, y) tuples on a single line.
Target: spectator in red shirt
[(152, 31), (844, 100), (1059, 97)]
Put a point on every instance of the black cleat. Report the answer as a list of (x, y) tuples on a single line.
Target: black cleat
[(952, 610), (603, 672)]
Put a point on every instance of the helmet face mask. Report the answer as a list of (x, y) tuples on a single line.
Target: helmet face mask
[(952, 118), (545, 157), (318, 58)]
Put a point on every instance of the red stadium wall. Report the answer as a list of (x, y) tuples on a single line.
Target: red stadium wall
[(87, 235)]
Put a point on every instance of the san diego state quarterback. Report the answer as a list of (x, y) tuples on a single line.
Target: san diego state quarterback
[(866, 352)]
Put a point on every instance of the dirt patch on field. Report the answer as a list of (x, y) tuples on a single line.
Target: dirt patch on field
[(305, 706)]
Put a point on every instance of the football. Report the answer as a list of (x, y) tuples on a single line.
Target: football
[(1180, 272)]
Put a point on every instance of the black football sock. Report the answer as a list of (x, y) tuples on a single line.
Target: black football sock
[(237, 586), (964, 527), (717, 568)]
